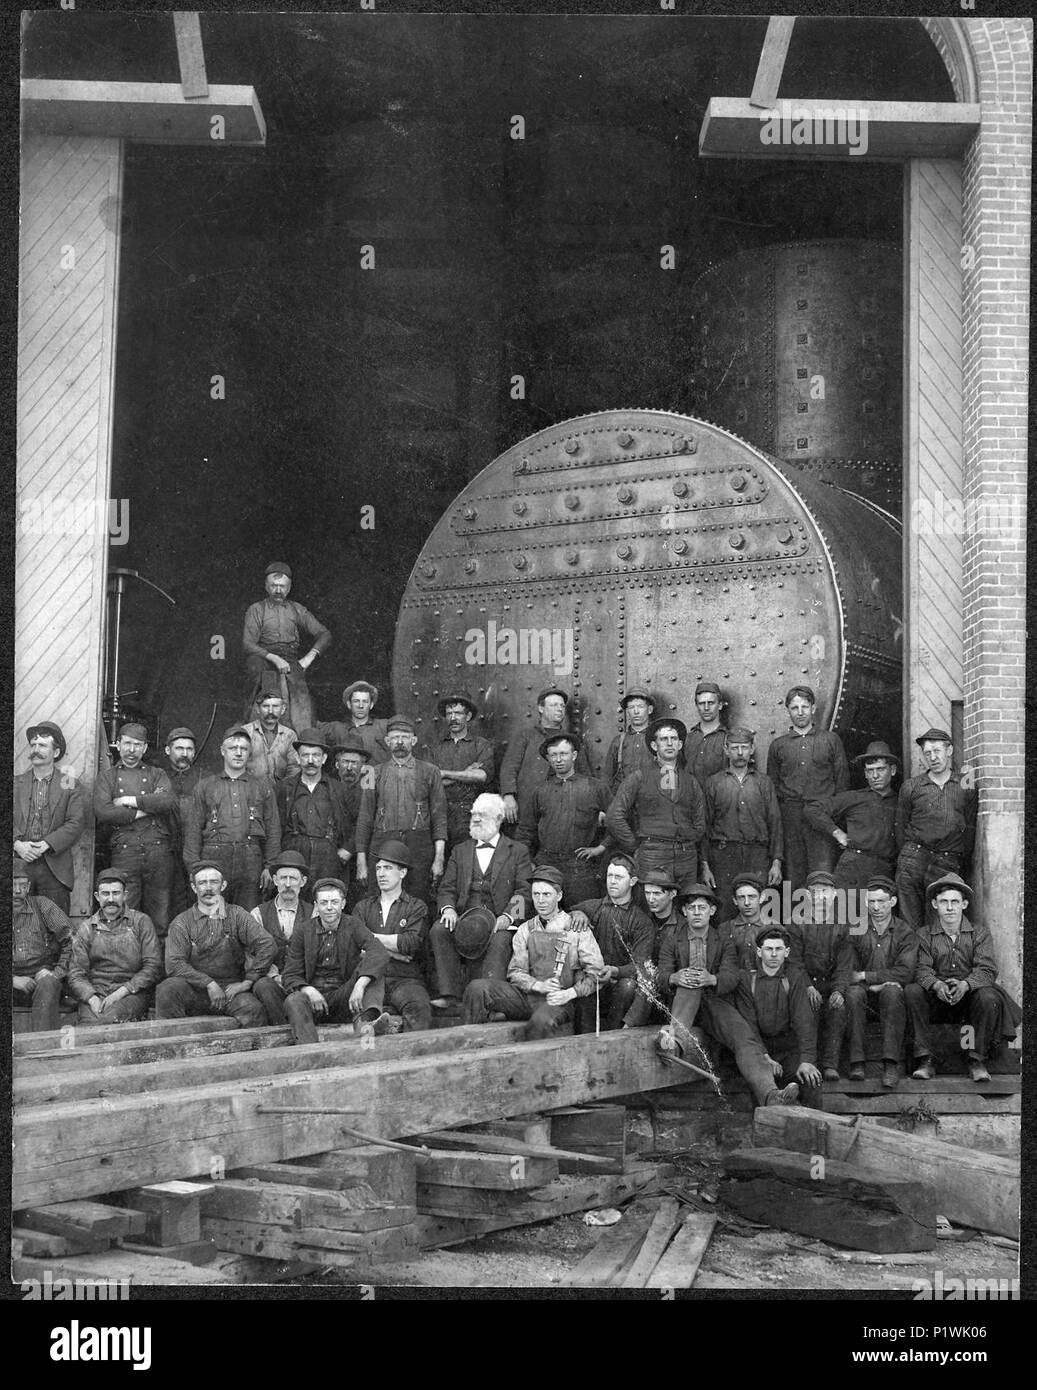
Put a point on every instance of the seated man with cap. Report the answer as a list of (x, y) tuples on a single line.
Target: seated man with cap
[(697, 963), (215, 953), (42, 938), (400, 922), (465, 760), (821, 952), (562, 817), (273, 754), (935, 826), (184, 774), (232, 821), (360, 698), (335, 969), (483, 897), (806, 764), (956, 982), (625, 937), (50, 812), (628, 751), (552, 965), (658, 817), (774, 1000), (704, 747), (312, 810), (406, 803), (747, 894), (743, 822), (279, 916), (272, 637), (862, 822), (884, 960), (523, 768), (660, 894), (116, 958), (138, 802)]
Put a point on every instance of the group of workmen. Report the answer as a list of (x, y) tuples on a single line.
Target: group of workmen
[(328, 874)]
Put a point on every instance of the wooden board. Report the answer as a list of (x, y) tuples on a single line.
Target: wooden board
[(46, 1243), (614, 1246), (664, 1223), (826, 1216), (100, 1034), (504, 1172), (155, 112), (353, 1208), (276, 1241), (173, 1211), (79, 1218), (680, 1263), (971, 1188), (941, 1103), (599, 1130), (140, 1051), (390, 1173)]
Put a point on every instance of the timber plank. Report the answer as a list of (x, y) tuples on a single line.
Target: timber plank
[(78, 1218), (172, 1209), (390, 1172), (129, 1269), (664, 1223), (99, 1034), (46, 1243), (192, 1252), (506, 1172), (277, 1241), (491, 1143), (149, 1050), (680, 1263), (606, 1258), (348, 1209), (941, 1103)]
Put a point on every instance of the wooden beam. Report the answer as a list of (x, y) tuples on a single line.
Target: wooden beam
[(601, 1264), (492, 1143), (100, 1034), (772, 60), (809, 128), (145, 1052), (156, 113), (68, 1151), (190, 53), (680, 1264), (664, 1223)]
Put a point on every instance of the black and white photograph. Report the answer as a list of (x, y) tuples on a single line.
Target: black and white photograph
[(519, 661)]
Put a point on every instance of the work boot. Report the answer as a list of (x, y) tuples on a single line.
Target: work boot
[(788, 1095), (857, 1072), (978, 1070), (890, 1075), (925, 1071), (371, 1021), (831, 1074)]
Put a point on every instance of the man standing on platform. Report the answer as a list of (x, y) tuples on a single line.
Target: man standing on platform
[(486, 879), (139, 803), (279, 916), (704, 746), (628, 751), (863, 821), (184, 774), (659, 817), (42, 942), (50, 813), (806, 764), (233, 821), (312, 811), (116, 957), (360, 699), (883, 965), (465, 762), (215, 953), (562, 818), (273, 754), (400, 922), (743, 821), (522, 768), (406, 802), (935, 827), (272, 637), (625, 938)]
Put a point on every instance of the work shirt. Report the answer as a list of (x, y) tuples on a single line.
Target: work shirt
[(778, 1004), (822, 951), (406, 796), (42, 936), (227, 947), (522, 768), (941, 819), (743, 936), (744, 811), (807, 767), (107, 956), (676, 813), (457, 755), (624, 934), (869, 819), (39, 798), (274, 627), (889, 957), (969, 956), (314, 812), (271, 757), (554, 951), (228, 810), (627, 753), (560, 817), (154, 795), (704, 753), (406, 918)]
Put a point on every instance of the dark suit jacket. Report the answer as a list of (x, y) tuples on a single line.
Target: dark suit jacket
[(408, 919), (64, 820), (721, 959), (508, 877), (345, 825), (359, 953)]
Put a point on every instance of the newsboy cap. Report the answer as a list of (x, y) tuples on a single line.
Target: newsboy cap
[(279, 567)]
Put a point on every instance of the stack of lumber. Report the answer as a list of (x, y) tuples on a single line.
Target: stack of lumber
[(654, 1246)]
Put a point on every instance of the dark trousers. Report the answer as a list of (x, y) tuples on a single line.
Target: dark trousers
[(322, 860), (150, 872), (299, 1011), (831, 1025), (43, 884), (270, 994), (981, 1009), (854, 867), (126, 1010), (294, 690), (241, 865), (889, 1006), (678, 857), (418, 882), (725, 1024), (611, 1008), (44, 1003), (807, 850), (917, 867), (176, 997), (784, 1048), (454, 975), (410, 999), (485, 997), (728, 858)]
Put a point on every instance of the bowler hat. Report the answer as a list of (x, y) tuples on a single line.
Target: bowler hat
[(134, 731), (351, 744), (940, 885), (657, 724), (236, 731), (473, 931), (396, 852), (637, 692), (111, 876), (547, 873), (553, 690), (329, 883), (697, 890), (551, 739), (289, 859), (53, 730), (351, 690), (182, 732), (279, 567), (876, 750), (312, 738), (658, 878), (457, 697), (934, 736)]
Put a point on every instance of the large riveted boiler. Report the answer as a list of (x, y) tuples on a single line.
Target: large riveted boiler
[(642, 547)]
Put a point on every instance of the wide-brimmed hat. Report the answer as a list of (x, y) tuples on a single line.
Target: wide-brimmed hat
[(876, 750), (668, 720), (351, 744), (659, 878), (473, 931), (574, 739), (697, 890), (939, 885), (457, 697)]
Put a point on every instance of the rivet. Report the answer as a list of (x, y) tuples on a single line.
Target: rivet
[(470, 513), (737, 542), (571, 446), (520, 562), (624, 439), (572, 502), (519, 507), (680, 488), (469, 567)]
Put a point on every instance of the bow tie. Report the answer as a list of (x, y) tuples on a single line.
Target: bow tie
[(483, 844)]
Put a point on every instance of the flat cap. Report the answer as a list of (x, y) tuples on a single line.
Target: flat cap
[(764, 932), (820, 876), (697, 890), (236, 731), (934, 736), (400, 724), (547, 873), (707, 688), (329, 883), (111, 876), (279, 567), (638, 692), (881, 881), (553, 690), (180, 732), (739, 734), (206, 864), (559, 737), (135, 731), (749, 881)]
